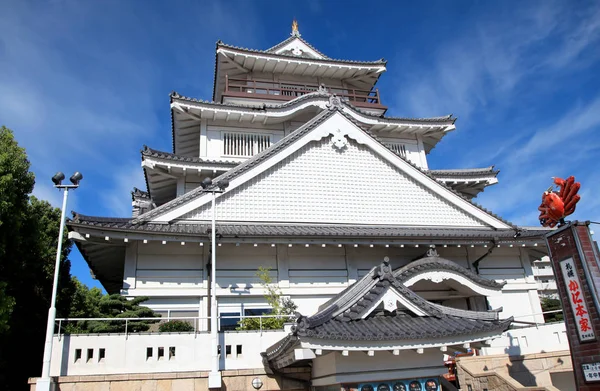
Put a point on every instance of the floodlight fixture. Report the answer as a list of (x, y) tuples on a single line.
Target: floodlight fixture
[(58, 178), (75, 178), (207, 182), (223, 184)]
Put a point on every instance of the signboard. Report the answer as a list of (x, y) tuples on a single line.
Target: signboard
[(425, 384), (577, 301), (591, 371)]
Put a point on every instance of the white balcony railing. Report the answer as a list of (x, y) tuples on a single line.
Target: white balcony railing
[(152, 352)]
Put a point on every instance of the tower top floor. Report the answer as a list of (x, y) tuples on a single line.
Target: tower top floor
[(290, 69)]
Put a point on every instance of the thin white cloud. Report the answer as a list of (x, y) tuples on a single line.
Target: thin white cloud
[(117, 198), (83, 94)]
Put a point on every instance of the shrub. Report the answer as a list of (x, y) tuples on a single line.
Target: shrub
[(284, 307), (175, 326)]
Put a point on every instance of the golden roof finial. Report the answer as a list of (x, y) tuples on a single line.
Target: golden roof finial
[(295, 31)]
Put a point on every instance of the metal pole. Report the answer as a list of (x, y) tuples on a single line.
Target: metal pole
[(214, 380), (44, 382)]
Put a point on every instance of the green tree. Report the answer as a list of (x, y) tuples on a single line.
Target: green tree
[(91, 303), (282, 306), (175, 326), (6, 305), (28, 238)]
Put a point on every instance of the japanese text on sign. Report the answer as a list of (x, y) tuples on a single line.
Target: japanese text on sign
[(591, 372), (577, 301)]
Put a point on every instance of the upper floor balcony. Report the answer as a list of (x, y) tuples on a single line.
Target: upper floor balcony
[(237, 90)]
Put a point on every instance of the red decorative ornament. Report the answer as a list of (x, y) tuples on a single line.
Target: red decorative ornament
[(558, 205)]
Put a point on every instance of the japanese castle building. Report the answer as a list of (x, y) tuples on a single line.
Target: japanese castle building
[(391, 264)]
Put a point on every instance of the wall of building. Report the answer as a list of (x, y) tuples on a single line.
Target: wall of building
[(334, 368), (233, 380), (530, 340), (174, 275), (74, 355)]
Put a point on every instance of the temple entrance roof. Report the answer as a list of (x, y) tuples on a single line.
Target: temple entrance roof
[(379, 312)]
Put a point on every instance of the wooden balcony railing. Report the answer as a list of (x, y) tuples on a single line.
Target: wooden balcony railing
[(282, 90)]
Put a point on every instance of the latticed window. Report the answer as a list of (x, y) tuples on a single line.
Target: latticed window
[(400, 149), (245, 144)]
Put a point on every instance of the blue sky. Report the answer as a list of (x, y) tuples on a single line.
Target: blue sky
[(85, 84)]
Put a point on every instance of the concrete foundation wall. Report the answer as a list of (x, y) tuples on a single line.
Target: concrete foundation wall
[(504, 372), (240, 380)]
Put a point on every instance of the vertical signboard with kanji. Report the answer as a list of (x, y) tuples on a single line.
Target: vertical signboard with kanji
[(577, 270), (576, 300)]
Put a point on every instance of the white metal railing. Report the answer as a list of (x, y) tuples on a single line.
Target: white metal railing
[(245, 144), (62, 322)]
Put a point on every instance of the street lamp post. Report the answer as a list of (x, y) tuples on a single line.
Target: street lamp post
[(214, 377), (44, 383)]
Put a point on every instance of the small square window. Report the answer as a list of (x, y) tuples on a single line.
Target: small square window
[(171, 352), (149, 353), (238, 350), (161, 353), (77, 355), (101, 354), (90, 355), (227, 350)]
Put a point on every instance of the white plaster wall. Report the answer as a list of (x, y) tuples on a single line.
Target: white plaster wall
[(335, 368), (530, 340), (127, 353), (311, 275), (168, 266), (290, 192)]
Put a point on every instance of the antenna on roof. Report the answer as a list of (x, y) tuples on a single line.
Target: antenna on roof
[(295, 31)]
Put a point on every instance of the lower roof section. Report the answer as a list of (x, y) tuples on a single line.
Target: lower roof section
[(237, 230), (102, 240), (381, 328), (378, 312)]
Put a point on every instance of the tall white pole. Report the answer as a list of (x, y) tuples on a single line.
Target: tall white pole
[(43, 384), (214, 380)]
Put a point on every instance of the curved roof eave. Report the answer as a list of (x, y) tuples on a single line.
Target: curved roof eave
[(379, 62), (320, 97)]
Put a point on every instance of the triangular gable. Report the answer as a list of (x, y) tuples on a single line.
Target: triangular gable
[(331, 171), (381, 289), (296, 46)]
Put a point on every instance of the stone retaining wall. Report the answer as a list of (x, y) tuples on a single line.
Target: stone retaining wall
[(236, 380), (512, 373)]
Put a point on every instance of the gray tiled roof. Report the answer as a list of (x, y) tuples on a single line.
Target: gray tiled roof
[(381, 61), (441, 120), (313, 231), (463, 172), (403, 327), (436, 263), (345, 317), (139, 194), (149, 152), (351, 303)]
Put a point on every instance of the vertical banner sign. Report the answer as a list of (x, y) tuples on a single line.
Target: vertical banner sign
[(576, 299)]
